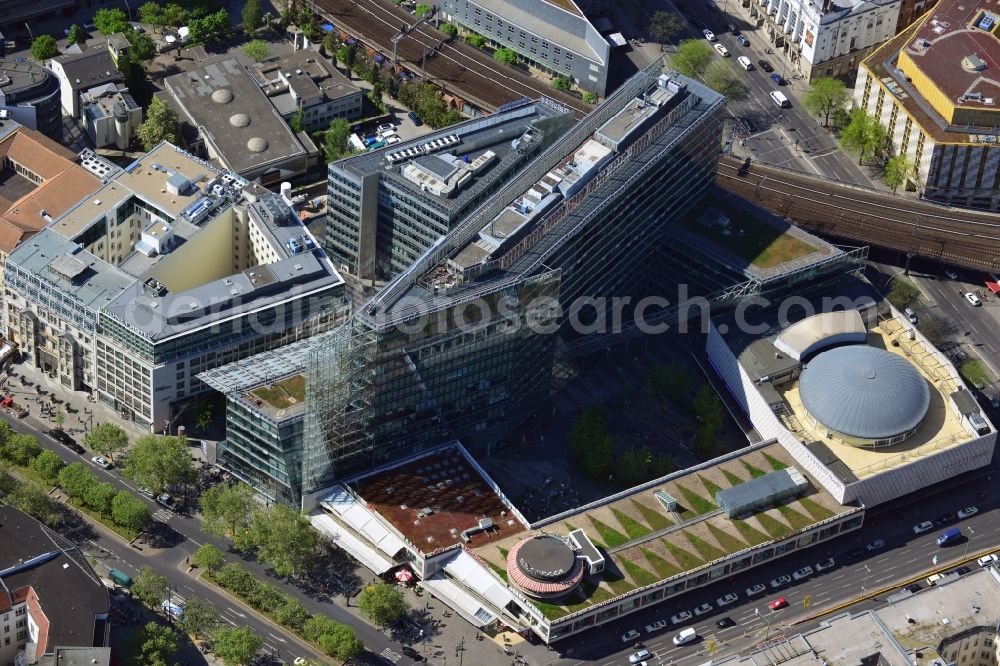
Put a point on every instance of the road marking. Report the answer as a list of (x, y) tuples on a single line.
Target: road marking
[(391, 656), (163, 516), (228, 620)]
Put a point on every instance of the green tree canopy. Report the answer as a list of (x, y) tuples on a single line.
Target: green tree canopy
[(228, 510), (175, 15), (449, 29), (151, 12), (902, 293), (209, 27), (208, 557), (475, 40), (44, 47), (864, 136), (236, 646), (33, 501), (142, 44), (664, 26), (421, 10), (708, 410), (562, 83), (316, 626), (200, 617), (75, 479), (721, 78), (106, 439), (157, 643), (692, 56), (825, 95), (633, 466), (77, 35), (129, 511), (335, 141), (291, 613), (506, 56), (158, 461), (589, 98), (47, 464), (341, 642), (592, 445), (20, 449), (161, 124), (257, 49), (237, 579), (109, 21), (898, 170), (251, 16), (99, 497), (382, 603), (150, 587), (285, 539)]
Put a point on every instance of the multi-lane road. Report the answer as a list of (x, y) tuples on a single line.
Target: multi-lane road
[(905, 557)]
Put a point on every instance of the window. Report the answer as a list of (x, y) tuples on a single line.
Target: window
[(21, 635)]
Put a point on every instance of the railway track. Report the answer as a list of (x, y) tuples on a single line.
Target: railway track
[(460, 69), (956, 236)]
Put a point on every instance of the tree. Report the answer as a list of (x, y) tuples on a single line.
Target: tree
[(236, 646), (110, 21), (227, 510), (346, 54), (341, 642), (151, 12), (175, 15), (129, 511), (708, 411), (200, 617), (150, 587), (20, 449), (47, 464), (208, 557), (251, 16), (77, 35), (142, 44), (106, 439), (291, 613), (475, 40), (506, 56), (825, 95), (257, 49), (592, 446), (44, 47), (449, 29), (633, 466), (670, 380), (157, 642), (75, 479), (316, 626), (335, 142), (161, 124), (382, 603), (421, 10), (285, 539), (206, 28), (691, 57), (864, 136), (99, 497), (664, 26), (237, 579), (562, 83), (158, 461), (898, 170), (937, 329), (266, 597), (903, 293), (589, 98), (721, 78), (33, 501)]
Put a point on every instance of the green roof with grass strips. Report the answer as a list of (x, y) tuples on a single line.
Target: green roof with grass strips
[(729, 543), (774, 463), (773, 526), (794, 518), (617, 584), (752, 535), (707, 551), (696, 502), (712, 488), (655, 518), (815, 510), (639, 576), (633, 528), (610, 537), (683, 557), (731, 478), (754, 471), (661, 566)]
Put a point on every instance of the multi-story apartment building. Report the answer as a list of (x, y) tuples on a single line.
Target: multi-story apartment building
[(305, 81), (169, 269), (828, 38), (930, 88), (29, 93), (554, 36), (386, 208)]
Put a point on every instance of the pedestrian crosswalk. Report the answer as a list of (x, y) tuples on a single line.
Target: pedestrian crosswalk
[(163, 515), (391, 656)]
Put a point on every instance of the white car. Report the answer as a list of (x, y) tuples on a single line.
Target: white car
[(745, 63), (727, 599), (721, 50), (804, 572), (385, 129), (704, 608), (685, 637), (920, 528), (828, 563), (102, 462), (392, 139), (709, 35), (988, 560), (754, 590), (972, 298), (968, 511), (630, 636), (683, 616), (653, 627), (639, 656), (780, 580)]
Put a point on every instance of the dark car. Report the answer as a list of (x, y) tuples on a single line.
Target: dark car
[(855, 554), (411, 653), (947, 518), (743, 41), (733, 30), (961, 571), (765, 65), (63, 438), (725, 623), (913, 587), (777, 79), (414, 118)]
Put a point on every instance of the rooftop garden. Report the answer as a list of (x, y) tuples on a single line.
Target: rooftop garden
[(284, 394), (753, 240)]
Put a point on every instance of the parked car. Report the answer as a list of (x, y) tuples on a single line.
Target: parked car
[(630, 636), (727, 599), (653, 627), (147, 492), (961, 571), (682, 616), (638, 656), (703, 608), (968, 512), (386, 128), (765, 65), (911, 315), (412, 654), (414, 118), (972, 298), (709, 35), (933, 579), (102, 462), (913, 588), (166, 500), (778, 604), (950, 274), (733, 30), (743, 41), (754, 590), (988, 560), (778, 81), (63, 438), (854, 554), (947, 518), (721, 50), (877, 544), (780, 580), (392, 140), (925, 526), (725, 623), (802, 573), (828, 563)]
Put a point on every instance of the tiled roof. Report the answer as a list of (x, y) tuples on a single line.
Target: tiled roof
[(10, 236), (54, 196), (36, 152)]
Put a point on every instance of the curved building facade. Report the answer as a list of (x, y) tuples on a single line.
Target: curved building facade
[(30, 93)]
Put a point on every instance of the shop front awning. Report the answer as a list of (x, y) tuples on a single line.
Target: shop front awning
[(357, 548)]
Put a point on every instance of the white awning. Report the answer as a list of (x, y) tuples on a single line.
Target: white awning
[(471, 573), (363, 520), (616, 39), (358, 549), (459, 600)]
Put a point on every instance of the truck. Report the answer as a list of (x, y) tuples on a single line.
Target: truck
[(13, 408)]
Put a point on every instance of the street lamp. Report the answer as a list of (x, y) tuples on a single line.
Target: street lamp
[(864, 583), (968, 542), (767, 631)]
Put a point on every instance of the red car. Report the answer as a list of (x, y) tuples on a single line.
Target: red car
[(778, 604)]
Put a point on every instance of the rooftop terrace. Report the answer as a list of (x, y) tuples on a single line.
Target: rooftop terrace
[(647, 543), (281, 399)]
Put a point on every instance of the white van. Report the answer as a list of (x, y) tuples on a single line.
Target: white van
[(779, 98), (745, 63), (686, 636)]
